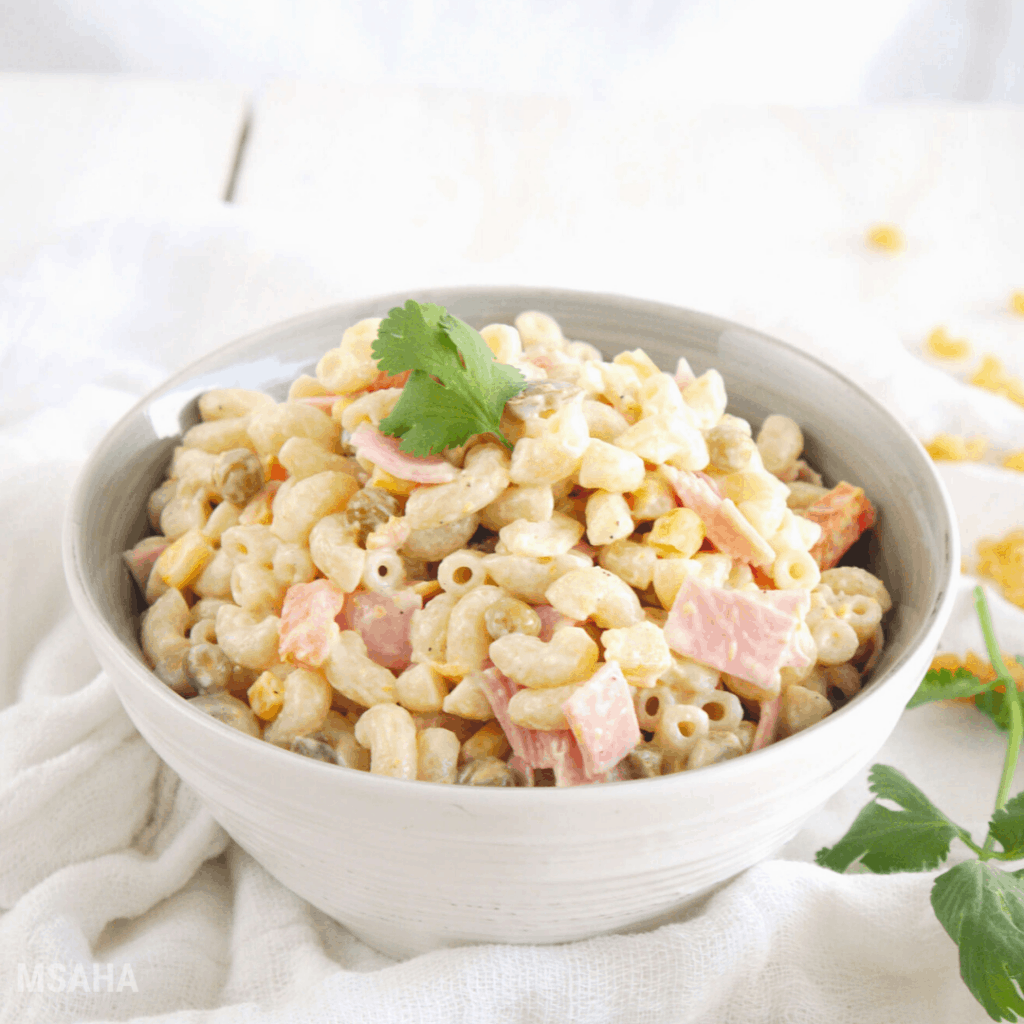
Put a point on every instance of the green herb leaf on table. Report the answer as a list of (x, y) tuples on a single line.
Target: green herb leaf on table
[(916, 838), (993, 704), (456, 388), (941, 684), (982, 909), (1007, 827)]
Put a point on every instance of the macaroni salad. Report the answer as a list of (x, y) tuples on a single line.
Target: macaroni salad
[(625, 581)]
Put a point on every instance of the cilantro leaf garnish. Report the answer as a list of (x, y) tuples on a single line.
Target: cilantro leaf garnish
[(982, 909), (455, 389), (916, 838), (941, 684), (1007, 827)]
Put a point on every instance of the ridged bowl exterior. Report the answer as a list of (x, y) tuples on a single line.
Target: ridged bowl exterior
[(411, 866)]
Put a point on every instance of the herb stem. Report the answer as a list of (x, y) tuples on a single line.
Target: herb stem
[(1016, 715), (972, 846)]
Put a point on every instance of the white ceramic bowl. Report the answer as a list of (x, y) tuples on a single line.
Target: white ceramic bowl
[(412, 866)]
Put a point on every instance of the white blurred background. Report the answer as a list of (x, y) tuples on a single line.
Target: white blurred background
[(721, 51)]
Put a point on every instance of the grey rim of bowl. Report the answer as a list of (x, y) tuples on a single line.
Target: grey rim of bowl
[(679, 781)]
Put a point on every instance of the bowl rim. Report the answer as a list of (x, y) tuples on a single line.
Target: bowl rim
[(243, 745)]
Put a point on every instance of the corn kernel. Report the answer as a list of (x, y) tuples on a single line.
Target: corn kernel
[(942, 346), (185, 559), (1015, 460), (426, 589), (266, 696), (386, 482), (1017, 303), (886, 237)]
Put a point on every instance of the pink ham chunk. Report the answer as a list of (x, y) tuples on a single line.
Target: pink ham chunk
[(384, 451), (792, 602), (384, 621), (550, 620), (794, 657), (141, 558), (723, 522), (731, 630), (796, 601), (843, 515), (536, 748), (568, 762), (766, 724), (308, 626), (521, 766), (499, 690), (601, 716)]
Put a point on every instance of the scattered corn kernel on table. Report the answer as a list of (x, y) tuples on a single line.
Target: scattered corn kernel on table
[(144, 223)]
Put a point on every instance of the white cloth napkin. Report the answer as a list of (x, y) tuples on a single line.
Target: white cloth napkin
[(122, 899)]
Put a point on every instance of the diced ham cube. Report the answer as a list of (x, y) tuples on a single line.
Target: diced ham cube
[(601, 716), (550, 620), (843, 515), (140, 559), (765, 731), (731, 630), (308, 627), (794, 656), (384, 451), (796, 602), (724, 524), (384, 621), (568, 762), (499, 690)]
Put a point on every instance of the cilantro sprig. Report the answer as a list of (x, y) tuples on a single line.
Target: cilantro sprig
[(455, 389), (980, 906)]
